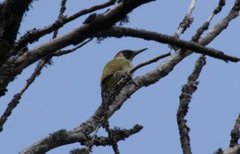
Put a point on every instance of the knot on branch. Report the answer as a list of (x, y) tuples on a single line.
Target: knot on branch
[(90, 18), (58, 136), (235, 134), (117, 134)]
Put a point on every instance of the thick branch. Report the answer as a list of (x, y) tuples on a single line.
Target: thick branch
[(33, 35), (99, 23), (11, 15)]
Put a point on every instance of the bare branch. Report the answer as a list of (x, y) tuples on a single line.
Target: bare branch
[(219, 27), (162, 38), (64, 52), (231, 150), (16, 98), (110, 136), (118, 135), (235, 133), (60, 17), (149, 62), (218, 9), (80, 34), (191, 87), (15, 101), (187, 20), (63, 137), (187, 90), (11, 15), (34, 34), (205, 25)]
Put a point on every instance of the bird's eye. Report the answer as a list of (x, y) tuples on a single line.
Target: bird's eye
[(126, 54)]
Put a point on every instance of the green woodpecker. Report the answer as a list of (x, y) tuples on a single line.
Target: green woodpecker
[(117, 67)]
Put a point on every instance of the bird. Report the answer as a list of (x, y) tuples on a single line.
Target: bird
[(117, 68)]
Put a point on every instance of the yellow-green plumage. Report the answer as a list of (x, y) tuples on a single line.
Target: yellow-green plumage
[(113, 70), (116, 68)]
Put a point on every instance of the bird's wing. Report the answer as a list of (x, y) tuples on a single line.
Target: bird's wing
[(114, 66)]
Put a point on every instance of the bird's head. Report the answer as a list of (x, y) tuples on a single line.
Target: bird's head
[(128, 54)]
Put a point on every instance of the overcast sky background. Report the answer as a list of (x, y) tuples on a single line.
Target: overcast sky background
[(68, 92)]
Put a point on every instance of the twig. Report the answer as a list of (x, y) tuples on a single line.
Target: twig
[(115, 148), (64, 52), (149, 62), (188, 89), (15, 100), (110, 136), (235, 133), (218, 9), (90, 143), (231, 150), (187, 20), (205, 25), (117, 135), (223, 24), (60, 17)]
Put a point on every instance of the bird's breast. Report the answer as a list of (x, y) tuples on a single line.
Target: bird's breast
[(114, 70)]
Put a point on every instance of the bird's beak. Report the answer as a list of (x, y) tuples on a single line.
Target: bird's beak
[(139, 51)]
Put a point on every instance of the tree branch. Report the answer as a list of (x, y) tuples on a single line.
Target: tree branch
[(187, 90), (205, 25), (85, 31), (223, 24), (34, 34), (171, 40), (149, 62), (64, 52), (16, 98), (117, 135), (60, 16), (231, 150), (11, 15), (187, 20), (235, 133)]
